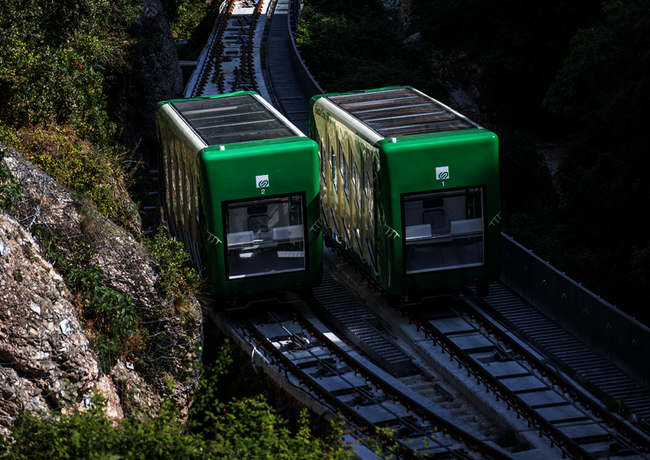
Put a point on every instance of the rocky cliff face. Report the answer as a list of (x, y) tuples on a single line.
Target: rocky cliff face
[(46, 357), (46, 360)]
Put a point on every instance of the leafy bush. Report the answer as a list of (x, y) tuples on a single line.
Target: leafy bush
[(603, 87), (242, 429), (176, 277), (191, 21), (518, 46), (57, 58), (10, 191), (102, 174), (111, 313), (186, 17), (350, 46)]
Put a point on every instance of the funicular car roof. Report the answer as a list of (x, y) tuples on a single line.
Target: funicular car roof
[(401, 111), (234, 119)]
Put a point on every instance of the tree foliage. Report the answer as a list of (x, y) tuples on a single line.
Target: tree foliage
[(176, 277), (519, 46), (56, 59), (242, 429), (604, 85), (100, 173), (356, 45)]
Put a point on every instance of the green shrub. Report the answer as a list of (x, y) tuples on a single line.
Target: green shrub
[(518, 46), (186, 17), (10, 191), (111, 313), (191, 21), (176, 277), (242, 429), (58, 57), (102, 174), (351, 46)]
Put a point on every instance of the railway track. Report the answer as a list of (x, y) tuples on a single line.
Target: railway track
[(313, 358), (567, 351), (544, 398), (469, 349), (228, 61), (502, 375)]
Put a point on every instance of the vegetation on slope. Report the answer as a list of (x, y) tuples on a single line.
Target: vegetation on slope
[(191, 23), (355, 45), (59, 64), (242, 428)]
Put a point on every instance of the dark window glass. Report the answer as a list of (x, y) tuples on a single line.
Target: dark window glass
[(344, 175), (356, 182), (333, 168), (443, 230), (265, 237)]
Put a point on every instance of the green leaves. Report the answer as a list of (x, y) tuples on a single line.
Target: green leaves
[(176, 277), (518, 46), (242, 429), (99, 173), (55, 58), (349, 46), (113, 314), (10, 191)]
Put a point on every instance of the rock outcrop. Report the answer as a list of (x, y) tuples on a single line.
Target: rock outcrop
[(46, 358), (45, 354), (158, 76)]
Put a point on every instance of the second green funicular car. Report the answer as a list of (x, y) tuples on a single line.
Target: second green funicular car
[(409, 189)]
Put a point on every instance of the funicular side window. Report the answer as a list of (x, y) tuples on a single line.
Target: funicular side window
[(344, 174), (368, 191), (444, 230), (321, 156), (265, 237), (333, 167), (356, 182)]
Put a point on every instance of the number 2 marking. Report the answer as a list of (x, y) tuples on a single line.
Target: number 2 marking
[(263, 191)]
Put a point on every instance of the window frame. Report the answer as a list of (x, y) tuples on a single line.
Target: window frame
[(267, 199), (437, 194)]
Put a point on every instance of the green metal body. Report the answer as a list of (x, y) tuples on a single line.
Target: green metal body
[(383, 173), (199, 182)]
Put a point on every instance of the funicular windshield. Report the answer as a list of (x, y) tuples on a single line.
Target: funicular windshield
[(444, 230), (265, 237)]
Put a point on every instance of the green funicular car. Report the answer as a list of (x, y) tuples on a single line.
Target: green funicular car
[(409, 189), (239, 187)]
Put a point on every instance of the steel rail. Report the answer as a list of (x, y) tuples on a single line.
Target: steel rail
[(556, 436), (397, 395), (624, 434), (215, 49), (448, 428), (287, 366), (248, 59)]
